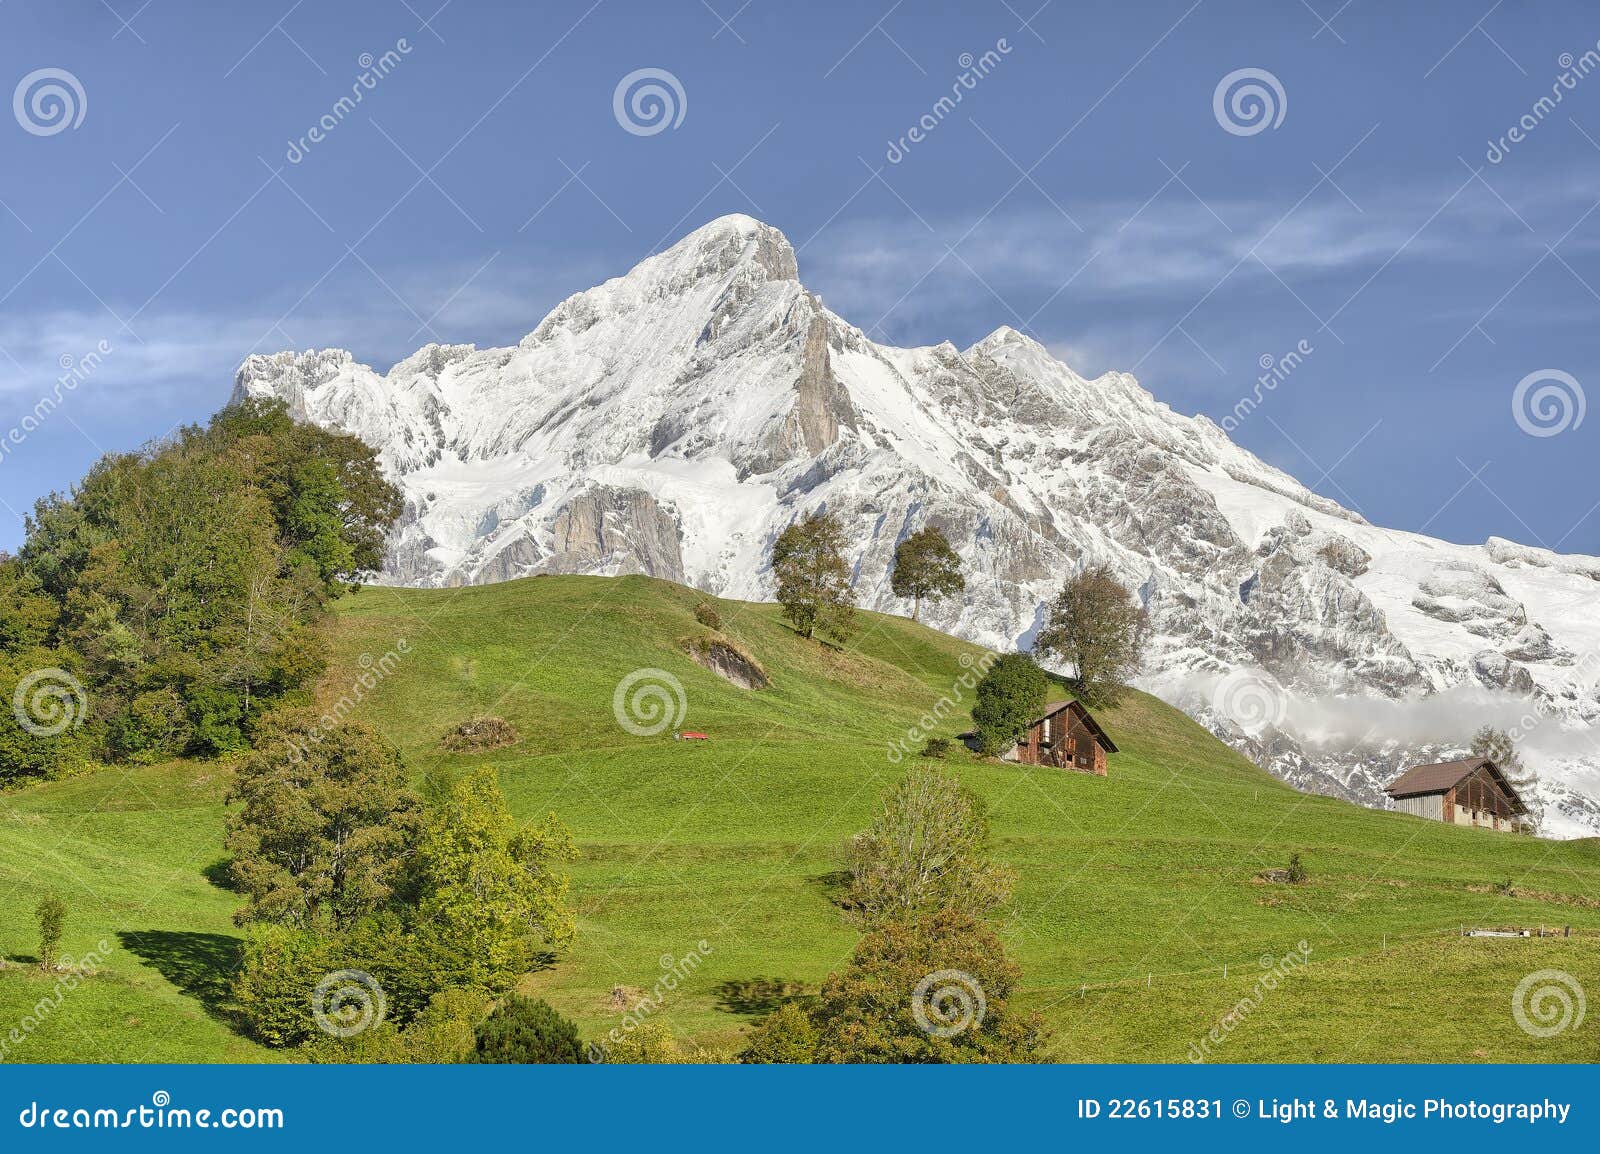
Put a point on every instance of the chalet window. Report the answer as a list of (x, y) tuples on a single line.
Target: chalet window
[(1049, 730)]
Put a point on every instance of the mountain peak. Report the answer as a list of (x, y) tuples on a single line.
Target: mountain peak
[(1006, 335), (737, 237)]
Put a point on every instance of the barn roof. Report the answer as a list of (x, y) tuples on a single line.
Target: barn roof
[(1439, 776), (1100, 735)]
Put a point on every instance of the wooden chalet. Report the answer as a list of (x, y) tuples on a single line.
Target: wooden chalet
[(1472, 791), (1064, 736)]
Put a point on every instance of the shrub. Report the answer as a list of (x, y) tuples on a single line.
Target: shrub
[(443, 1033), (927, 849), (52, 915), (937, 748), (932, 990), (648, 1044), (1296, 873), (706, 613), (274, 985), (1010, 697), (787, 1036), (528, 1031)]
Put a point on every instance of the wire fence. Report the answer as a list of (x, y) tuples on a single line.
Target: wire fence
[(1272, 957)]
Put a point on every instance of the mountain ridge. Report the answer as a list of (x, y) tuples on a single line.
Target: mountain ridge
[(672, 420)]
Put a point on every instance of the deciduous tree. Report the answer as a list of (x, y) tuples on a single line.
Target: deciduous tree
[(326, 825), (813, 577), (492, 894), (925, 566), (931, 990), (1098, 627), (1010, 696)]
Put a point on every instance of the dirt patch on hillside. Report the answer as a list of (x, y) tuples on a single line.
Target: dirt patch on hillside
[(728, 662), (481, 733)]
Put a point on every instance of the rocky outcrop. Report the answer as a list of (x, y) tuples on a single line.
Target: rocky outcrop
[(728, 662), (615, 531)]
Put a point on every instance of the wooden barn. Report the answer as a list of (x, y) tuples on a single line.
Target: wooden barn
[(1064, 736), (1472, 791)]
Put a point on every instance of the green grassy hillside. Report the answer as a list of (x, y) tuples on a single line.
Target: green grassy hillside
[(1135, 891)]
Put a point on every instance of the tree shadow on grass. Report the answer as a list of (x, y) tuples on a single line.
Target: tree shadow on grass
[(220, 874), (200, 965), (760, 995)]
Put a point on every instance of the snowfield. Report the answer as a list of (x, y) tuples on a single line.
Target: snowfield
[(674, 420)]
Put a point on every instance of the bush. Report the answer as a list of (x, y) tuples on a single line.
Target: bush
[(52, 915), (706, 613), (1010, 697), (527, 1031), (787, 1036), (1296, 873), (937, 748), (443, 1033), (933, 990), (274, 985), (927, 849)]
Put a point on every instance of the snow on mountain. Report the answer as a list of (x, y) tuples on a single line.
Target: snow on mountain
[(674, 420)]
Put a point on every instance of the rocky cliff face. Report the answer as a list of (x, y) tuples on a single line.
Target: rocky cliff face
[(672, 421)]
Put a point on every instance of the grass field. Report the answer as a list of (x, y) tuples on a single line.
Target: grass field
[(1135, 891)]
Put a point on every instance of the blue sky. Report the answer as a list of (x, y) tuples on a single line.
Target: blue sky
[(1086, 189)]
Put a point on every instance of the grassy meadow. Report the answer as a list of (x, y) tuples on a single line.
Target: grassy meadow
[(1139, 918)]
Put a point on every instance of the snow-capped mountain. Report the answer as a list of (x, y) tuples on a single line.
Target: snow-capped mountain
[(674, 420)]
